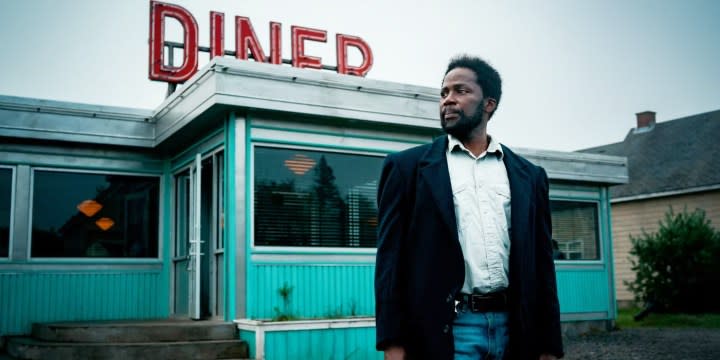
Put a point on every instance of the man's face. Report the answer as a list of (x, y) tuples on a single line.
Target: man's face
[(461, 105)]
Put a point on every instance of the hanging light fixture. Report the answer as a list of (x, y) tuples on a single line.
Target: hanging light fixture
[(89, 207), (299, 164), (104, 223)]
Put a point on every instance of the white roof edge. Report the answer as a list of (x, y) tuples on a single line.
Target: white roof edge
[(574, 155), (665, 193), (575, 166), (290, 74), (324, 78), (73, 108)]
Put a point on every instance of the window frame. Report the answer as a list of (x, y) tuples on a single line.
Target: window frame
[(600, 231), (326, 250), (92, 260), (11, 224)]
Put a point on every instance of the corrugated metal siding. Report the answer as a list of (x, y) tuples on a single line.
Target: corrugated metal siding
[(318, 290), (353, 343), (26, 298), (583, 291), (331, 290), (249, 338)]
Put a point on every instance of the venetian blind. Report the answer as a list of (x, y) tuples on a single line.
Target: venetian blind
[(314, 198)]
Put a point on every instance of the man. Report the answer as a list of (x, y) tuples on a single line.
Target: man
[(464, 262)]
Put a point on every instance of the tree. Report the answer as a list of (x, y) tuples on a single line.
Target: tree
[(677, 268), (281, 214)]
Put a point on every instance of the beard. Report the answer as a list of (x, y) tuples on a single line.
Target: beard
[(464, 125)]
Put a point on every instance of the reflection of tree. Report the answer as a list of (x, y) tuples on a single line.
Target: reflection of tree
[(368, 221), (281, 214), (314, 210), (4, 241), (5, 196), (79, 233), (362, 215), (329, 213)]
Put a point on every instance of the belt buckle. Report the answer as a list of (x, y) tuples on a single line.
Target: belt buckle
[(477, 299), (475, 302)]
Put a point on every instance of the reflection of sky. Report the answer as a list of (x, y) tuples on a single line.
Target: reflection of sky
[(56, 196), (350, 170), (5, 197)]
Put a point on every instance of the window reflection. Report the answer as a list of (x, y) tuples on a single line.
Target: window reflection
[(5, 206), (314, 198), (575, 230), (94, 215)]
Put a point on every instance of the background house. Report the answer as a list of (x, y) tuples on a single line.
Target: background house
[(673, 163)]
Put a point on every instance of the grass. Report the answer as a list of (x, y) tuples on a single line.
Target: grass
[(625, 320)]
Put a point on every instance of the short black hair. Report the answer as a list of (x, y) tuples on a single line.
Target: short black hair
[(487, 77)]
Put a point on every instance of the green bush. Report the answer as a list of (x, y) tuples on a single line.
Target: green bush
[(678, 268)]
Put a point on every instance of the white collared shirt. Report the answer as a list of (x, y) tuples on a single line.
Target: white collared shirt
[(481, 194)]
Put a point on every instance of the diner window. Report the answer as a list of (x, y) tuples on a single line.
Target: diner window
[(575, 230), (91, 215), (315, 198), (5, 208)]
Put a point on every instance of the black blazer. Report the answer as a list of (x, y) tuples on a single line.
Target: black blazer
[(419, 268)]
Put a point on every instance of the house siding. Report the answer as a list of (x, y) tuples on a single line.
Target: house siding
[(632, 217)]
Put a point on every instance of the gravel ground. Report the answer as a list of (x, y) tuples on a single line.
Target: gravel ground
[(645, 344), (637, 344)]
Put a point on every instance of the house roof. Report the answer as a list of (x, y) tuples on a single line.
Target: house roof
[(671, 156)]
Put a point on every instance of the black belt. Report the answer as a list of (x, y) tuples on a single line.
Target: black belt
[(496, 301)]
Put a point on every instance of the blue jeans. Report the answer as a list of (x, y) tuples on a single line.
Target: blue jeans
[(480, 336)]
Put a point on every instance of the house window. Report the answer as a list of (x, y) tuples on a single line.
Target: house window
[(575, 230), (5, 206), (82, 215), (315, 198)]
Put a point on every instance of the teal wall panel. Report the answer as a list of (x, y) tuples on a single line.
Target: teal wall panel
[(326, 290), (326, 344), (28, 297), (321, 291), (249, 338), (583, 291)]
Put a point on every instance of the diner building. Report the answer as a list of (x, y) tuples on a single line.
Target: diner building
[(248, 195)]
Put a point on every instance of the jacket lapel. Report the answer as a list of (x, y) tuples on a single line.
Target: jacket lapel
[(435, 176), (520, 192)]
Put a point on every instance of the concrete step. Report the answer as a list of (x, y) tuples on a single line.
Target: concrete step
[(29, 348), (134, 331)]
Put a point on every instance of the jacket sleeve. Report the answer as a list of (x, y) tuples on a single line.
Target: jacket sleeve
[(389, 275), (548, 312)]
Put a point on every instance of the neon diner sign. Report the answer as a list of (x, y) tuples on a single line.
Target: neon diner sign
[(246, 44)]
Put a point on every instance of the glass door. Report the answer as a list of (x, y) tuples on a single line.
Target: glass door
[(195, 241), (198, 259)]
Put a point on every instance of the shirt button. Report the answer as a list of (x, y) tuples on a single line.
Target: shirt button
[(446, 329)]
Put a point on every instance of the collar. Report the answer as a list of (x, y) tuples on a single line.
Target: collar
[(493, 147)]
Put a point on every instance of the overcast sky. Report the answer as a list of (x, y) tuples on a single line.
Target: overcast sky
[(575, 72)]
